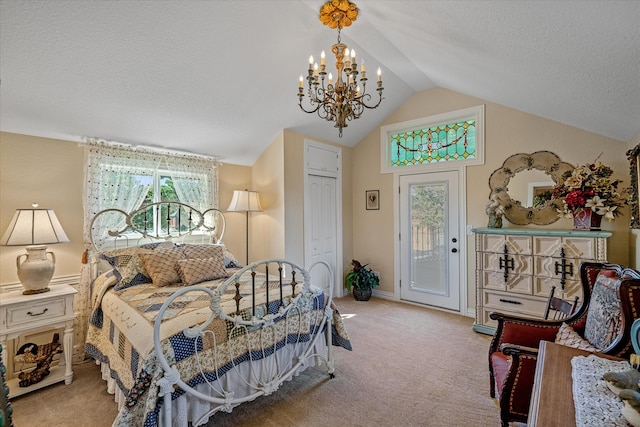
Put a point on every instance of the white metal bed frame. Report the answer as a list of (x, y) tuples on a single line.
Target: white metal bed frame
[(272, 370)]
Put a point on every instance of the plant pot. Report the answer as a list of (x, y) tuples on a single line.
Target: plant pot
[(586, 220), (362, 294)]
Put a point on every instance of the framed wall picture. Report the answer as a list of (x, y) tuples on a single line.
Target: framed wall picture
[(373, 200)]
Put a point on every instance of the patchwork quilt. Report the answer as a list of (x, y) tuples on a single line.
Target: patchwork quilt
[(121, 334)]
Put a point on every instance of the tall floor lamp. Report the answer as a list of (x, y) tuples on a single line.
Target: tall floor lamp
[(245, 201)]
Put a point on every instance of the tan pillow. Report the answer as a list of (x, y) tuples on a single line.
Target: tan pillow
[(567, 336), (162, 266), (210, 251), (201, 251), (196, 270)]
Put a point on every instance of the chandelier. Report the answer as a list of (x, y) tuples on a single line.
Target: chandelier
[(342, 100)]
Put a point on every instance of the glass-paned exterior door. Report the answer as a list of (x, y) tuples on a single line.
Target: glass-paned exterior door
[(430, 261)]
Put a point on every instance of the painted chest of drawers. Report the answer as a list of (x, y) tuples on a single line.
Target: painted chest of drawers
[(516, 268)]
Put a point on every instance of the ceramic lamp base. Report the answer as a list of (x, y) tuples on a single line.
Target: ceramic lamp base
[(36, 271)]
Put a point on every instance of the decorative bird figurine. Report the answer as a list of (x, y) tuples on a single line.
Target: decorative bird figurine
[(625, 380), (631, 406)]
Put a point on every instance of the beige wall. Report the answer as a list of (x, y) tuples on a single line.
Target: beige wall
[(267, 227), (230, 178), (51, 173), (507, 131)]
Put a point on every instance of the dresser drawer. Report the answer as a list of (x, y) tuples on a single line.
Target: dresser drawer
[(48, 309), (546, 266), (515, 244), (521, 264), (574, 247), (514, 303), (572, 288), (521, 284)]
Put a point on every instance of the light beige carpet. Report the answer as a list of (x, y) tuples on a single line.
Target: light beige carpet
[(410, 366)]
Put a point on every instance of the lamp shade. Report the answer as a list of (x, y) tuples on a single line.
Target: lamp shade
[(245, 201), (34, 227)]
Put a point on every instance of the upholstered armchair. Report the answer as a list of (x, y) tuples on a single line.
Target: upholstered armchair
[(610, 304)]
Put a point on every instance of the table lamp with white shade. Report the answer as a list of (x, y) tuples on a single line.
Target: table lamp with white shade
[(34, 228)]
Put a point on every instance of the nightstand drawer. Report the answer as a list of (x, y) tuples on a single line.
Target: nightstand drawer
[(39, 311)]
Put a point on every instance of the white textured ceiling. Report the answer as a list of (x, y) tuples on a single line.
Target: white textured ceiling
[(220, 77)]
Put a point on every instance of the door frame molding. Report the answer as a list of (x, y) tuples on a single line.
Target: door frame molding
[(338, 286), (462, 221)]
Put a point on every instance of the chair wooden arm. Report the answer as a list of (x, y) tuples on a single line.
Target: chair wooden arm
[(518, 350)]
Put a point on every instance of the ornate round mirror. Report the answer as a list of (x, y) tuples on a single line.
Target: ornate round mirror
[(524, 186)]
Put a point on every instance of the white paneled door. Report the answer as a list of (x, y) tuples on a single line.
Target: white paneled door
[(322, 238), (430, 239)]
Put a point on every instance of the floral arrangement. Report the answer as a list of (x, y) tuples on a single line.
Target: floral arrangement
[(589, 187)]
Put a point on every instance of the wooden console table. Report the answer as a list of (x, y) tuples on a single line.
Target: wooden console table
[(552, 395)]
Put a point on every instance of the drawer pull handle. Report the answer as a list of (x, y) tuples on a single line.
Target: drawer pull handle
[(37, 314), (510, 301)]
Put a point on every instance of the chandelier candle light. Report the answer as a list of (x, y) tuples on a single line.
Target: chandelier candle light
[(343, 100)]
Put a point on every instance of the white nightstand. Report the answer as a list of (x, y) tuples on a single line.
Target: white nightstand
[(20, 314)]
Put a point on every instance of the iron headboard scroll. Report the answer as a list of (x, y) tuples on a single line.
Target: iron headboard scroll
[(159, 221)]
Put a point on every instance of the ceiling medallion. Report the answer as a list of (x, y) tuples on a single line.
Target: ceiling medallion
[(343, 100)]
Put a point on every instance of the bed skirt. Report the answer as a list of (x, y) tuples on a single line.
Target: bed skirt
[(188, 410)]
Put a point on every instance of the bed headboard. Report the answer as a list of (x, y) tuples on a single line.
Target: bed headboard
[(160, 221)]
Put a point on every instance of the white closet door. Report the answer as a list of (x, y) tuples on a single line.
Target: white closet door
[(322, 237)]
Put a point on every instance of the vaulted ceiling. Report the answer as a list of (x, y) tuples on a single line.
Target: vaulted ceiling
[(220, 77)]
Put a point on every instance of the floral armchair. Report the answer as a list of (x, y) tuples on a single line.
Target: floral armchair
[(611, 301)]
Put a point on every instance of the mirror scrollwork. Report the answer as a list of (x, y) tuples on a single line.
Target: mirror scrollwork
[(531, 201), (632, 155)]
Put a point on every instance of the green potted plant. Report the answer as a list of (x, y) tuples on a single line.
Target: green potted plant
[(361, 280)]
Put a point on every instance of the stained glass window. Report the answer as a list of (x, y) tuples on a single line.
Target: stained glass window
[(444, 143), (440, 142)]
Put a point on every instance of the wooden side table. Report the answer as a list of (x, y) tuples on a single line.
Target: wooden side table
[(20, 314), (552, 396)]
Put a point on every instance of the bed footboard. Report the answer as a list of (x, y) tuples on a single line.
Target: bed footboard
[(270, 333)]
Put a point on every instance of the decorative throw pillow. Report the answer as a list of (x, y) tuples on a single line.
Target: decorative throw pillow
[(197, 270), (201, 251), (162, 266), (127, 265), (567, 336), (211, 251), (603, 316)]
